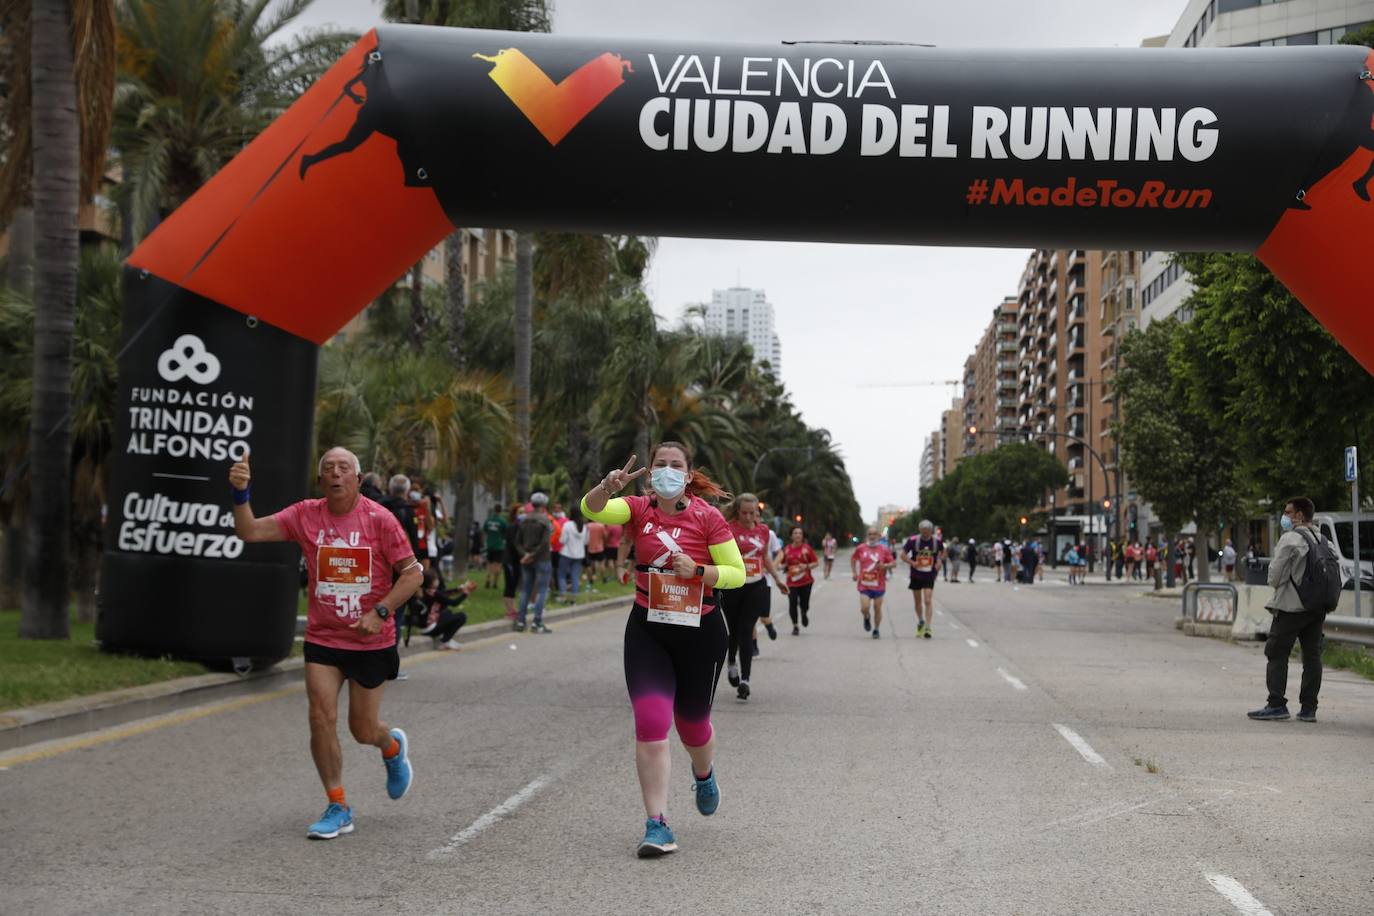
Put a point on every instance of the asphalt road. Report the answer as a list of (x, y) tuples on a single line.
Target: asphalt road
[(999, 768)]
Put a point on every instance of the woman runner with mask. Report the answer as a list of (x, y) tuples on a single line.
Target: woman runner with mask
[(675, 641)]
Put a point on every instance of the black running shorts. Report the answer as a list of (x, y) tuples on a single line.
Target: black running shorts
[(921, 584), (368, 668)]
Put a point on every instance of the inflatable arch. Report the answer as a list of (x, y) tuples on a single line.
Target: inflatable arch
[(417, 130)]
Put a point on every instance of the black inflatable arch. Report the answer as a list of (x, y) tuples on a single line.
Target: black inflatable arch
[(418, 130)]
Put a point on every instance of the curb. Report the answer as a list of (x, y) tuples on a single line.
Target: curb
[(78, 715)]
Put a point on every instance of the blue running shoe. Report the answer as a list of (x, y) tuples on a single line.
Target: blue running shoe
[(708, 794), (336, 819), (658, 840), (1269, 712), (398, 772)]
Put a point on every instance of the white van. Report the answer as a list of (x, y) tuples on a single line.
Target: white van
[(1339, 529)]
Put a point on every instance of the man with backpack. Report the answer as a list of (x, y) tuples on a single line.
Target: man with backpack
[(1306, 578)]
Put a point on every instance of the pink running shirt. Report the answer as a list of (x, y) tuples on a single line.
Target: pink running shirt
[(658, 536), (872, 562), (359, 551)]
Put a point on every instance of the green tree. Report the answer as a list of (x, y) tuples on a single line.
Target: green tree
[(986, 494), (1255, 363), (1364, 35), (94, 380), (1180, 459), (199, 79)]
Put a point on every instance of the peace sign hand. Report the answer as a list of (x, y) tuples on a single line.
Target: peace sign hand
[(618, 479)]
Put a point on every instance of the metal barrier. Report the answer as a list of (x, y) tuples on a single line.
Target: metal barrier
[(1210, 602), (1357, 631)]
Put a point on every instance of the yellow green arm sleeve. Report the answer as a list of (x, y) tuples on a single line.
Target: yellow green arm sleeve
[(617, 512), (729, 564)]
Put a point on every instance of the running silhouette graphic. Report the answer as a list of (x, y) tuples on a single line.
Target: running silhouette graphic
[(377, 114)]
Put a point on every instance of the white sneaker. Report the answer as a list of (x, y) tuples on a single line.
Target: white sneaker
[(451, 645)]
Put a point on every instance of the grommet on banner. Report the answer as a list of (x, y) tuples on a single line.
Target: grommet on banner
[(374, 56), (1366, 75), (1302, 194), (422, 174), (143, 274), (252, 321)]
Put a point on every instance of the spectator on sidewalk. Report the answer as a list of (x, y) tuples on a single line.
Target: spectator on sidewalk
[(572, 554), (533, 540), (971, 553), (510, 560), (1292, 621), (1228, 561), (954, 553), (443, 623)]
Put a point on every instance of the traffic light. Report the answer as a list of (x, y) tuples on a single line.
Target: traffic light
[(1024, 520), (797, 519), (1106, 503)]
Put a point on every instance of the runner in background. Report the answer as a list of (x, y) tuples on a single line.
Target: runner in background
[(774, 546), (798, 559), (610, 555), (360, 567), (828, 547), (743, 606), (675, 639), (869, 565), (923, 552), (596, 553)]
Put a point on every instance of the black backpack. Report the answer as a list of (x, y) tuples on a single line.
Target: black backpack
[(1320, 588)]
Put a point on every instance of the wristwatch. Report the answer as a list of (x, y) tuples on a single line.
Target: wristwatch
[(382, 611), (701, 571)]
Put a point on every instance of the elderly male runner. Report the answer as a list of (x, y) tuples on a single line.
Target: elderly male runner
[(362, 569)]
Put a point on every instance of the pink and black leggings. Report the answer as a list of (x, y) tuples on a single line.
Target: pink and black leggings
[(671, 673)]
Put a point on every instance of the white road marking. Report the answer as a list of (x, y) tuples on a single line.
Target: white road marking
[(952, 626), (973, 643), (1013, 681), (470, 832), (1083, 747), (1240, 898)]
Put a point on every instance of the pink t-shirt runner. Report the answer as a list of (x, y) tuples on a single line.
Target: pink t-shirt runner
[(596, 539), (658, 536), (794, 555), (753, 548), (872, 562), (358, 552), (613, 536)]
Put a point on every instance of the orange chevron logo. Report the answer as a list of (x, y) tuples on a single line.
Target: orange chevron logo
[(556, 108)]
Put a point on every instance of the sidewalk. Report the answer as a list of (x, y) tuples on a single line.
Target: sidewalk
[(49, 721)]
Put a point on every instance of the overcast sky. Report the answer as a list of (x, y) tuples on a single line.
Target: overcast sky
[(850, 315)]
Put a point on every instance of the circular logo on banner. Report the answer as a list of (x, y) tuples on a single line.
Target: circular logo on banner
[(188, 358)]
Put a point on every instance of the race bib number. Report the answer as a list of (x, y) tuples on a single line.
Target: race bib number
[(343, 572), (753, 566), (924, 562), (796, 573), (869, 579), (674, 601)]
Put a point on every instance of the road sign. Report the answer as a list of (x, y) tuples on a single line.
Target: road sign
[(1351, 465)]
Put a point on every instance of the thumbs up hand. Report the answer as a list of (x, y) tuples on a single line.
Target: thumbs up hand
[(240, 474)]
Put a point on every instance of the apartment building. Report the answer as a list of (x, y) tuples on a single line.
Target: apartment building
[(990, 402), (951, 436), (1059, 379), (930, 470), (1118, 313), (746, 313)]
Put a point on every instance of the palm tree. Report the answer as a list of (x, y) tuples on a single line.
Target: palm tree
[(199, 79), (524, 342)]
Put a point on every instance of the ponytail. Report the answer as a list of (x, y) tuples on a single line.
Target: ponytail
[(699, 484)]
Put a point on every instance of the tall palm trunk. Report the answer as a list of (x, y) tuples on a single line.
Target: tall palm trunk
[(524, 344), (12, 565), (417, 305), (56, 198), (18, 277), (456, 294)]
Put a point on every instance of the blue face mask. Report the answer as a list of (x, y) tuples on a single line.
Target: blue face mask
[(668, 482), (1285, 523)]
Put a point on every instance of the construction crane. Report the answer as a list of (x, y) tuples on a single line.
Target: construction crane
[(952, 384)]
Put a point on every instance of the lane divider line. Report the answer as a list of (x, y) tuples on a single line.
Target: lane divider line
[(1013, 681), (1084, 748), (972, 643), (491, 818), (118, 733), (1237, 895)]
